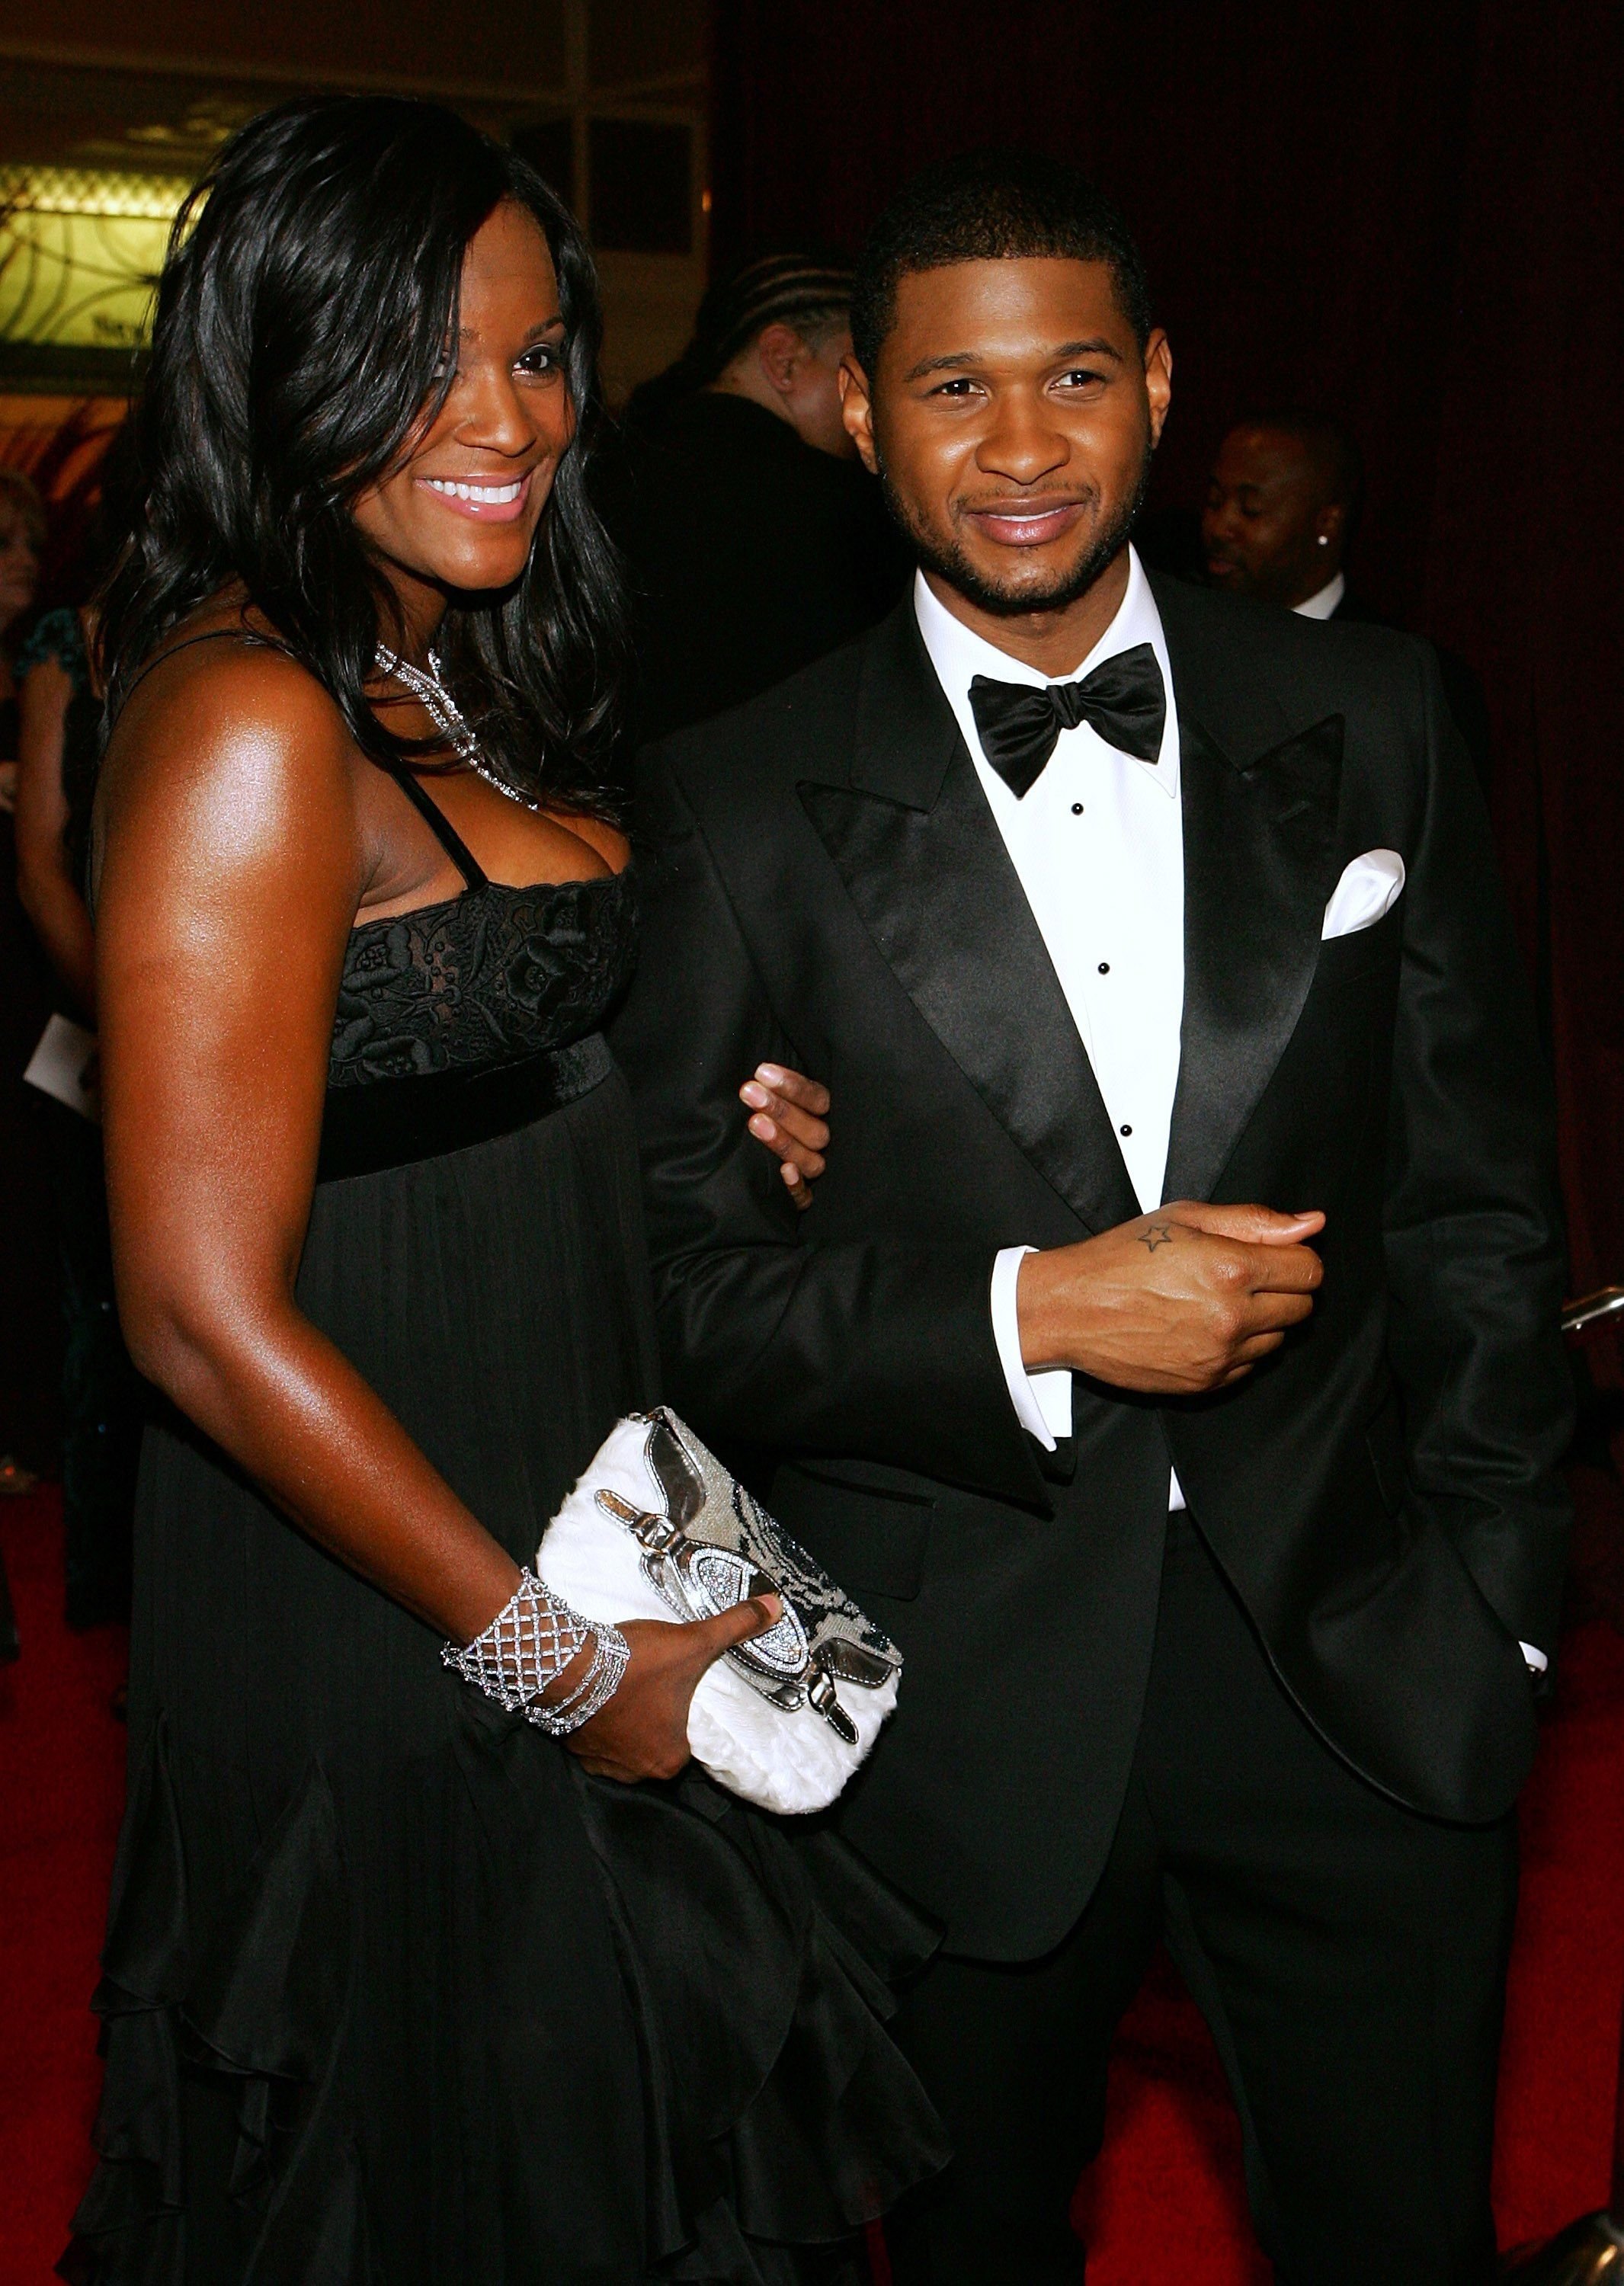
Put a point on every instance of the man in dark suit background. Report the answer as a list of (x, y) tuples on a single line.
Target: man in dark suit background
[(1169, 1362), (1279, 513), (755, 540), (1281, 507)]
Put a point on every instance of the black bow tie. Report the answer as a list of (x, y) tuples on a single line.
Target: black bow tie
[(1123, 700)]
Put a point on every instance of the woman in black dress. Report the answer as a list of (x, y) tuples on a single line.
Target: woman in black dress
[(399, 1984)]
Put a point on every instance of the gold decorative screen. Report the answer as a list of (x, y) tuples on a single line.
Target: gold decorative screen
[(80, 251)]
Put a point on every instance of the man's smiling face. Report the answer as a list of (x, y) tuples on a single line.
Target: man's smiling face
[(1012, 419)]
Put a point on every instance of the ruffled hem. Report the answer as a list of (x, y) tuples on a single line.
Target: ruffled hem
[(718, 2030), (762, 1960), (260, 2011)]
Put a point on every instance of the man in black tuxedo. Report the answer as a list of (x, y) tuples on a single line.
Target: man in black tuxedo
[(1125, 920)]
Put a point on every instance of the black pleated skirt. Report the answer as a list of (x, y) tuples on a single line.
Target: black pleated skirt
[(392, 1990)]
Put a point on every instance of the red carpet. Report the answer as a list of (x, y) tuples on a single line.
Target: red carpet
[(61, 1791), (1164, 2201)]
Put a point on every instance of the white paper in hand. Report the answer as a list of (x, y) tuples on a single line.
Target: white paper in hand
[(64, 1065)]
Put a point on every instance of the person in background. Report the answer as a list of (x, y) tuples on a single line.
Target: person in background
[(1282, 505), (22, 539), (756, 541), (1281, 509), (59, 724)]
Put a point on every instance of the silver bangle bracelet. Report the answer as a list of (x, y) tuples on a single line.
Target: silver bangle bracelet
[(529, 1644), (593, 1693)]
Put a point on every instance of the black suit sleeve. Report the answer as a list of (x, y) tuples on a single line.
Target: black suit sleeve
[(1472, 1222), (876, 1349)]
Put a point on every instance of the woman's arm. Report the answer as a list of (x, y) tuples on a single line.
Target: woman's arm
[(232, 867), (44, 880), (233, 864)]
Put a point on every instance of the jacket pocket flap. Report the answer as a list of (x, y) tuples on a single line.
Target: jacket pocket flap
[(873, 1541)]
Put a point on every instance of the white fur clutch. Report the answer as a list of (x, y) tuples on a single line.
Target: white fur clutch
[(657, 1529)]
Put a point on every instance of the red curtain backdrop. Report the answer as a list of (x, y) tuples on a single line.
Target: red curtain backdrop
[(1409, 217)]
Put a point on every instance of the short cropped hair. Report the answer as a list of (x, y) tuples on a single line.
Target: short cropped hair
[(1324, 440), (809, 293), (992, 206)]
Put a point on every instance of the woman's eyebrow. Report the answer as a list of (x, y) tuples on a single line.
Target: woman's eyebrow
[(555, 324)]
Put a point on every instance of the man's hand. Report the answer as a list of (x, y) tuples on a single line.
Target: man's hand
[(790, 1113), (1180, 1302), (642, 1732)]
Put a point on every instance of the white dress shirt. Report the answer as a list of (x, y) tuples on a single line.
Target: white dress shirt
[(1097, 846), (1324, 600)]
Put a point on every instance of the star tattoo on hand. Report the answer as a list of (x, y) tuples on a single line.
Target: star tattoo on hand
[(1158, 1234)]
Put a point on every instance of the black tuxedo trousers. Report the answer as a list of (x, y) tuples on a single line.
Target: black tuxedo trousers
[(825, 885), (1348, 1956)]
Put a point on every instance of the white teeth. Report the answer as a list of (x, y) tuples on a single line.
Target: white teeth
[(487, 495)]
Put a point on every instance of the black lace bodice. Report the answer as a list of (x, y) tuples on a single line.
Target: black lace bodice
[(481, 979), (467, 1021)]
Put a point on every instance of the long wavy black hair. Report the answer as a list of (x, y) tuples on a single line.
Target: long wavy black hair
[(304, 315)]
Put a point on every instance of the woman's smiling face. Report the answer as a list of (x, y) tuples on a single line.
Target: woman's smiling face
[(461, 510)]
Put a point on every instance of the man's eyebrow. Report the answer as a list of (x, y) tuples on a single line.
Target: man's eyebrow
[(953, 363), (959, 361)]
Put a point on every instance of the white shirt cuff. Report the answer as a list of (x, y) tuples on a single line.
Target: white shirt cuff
[(1537, 1661), (1041, 1400)]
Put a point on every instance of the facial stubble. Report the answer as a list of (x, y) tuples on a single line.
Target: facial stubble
[(954, 567)]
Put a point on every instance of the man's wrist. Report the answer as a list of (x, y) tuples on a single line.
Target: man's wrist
[(1037, 1333), (1041, 1400)]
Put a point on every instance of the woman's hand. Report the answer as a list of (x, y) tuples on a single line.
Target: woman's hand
[(790, 1113), (642, 1732)]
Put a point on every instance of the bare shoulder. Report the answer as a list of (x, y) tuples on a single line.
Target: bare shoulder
[(234, 743), (203, 701)]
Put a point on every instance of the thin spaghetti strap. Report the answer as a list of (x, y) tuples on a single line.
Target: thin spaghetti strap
[(444, 832), (209, 634)]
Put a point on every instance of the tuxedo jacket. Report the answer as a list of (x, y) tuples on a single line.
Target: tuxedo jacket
[(825, 885), (1462, 691)]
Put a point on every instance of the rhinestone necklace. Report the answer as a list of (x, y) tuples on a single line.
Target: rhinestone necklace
[(442, 710)]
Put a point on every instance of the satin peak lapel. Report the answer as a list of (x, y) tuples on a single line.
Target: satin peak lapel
[(920, 851), (1259, 863)]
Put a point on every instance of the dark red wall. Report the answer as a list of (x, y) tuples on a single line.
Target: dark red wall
[(1407, 215)]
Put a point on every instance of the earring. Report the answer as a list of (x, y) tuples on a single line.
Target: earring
[(1324, 542)]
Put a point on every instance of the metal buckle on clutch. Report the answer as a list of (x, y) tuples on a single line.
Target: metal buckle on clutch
[(696, 1580), (699, 1580)]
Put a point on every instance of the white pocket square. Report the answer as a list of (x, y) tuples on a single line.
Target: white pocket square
[(1368, 887)]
